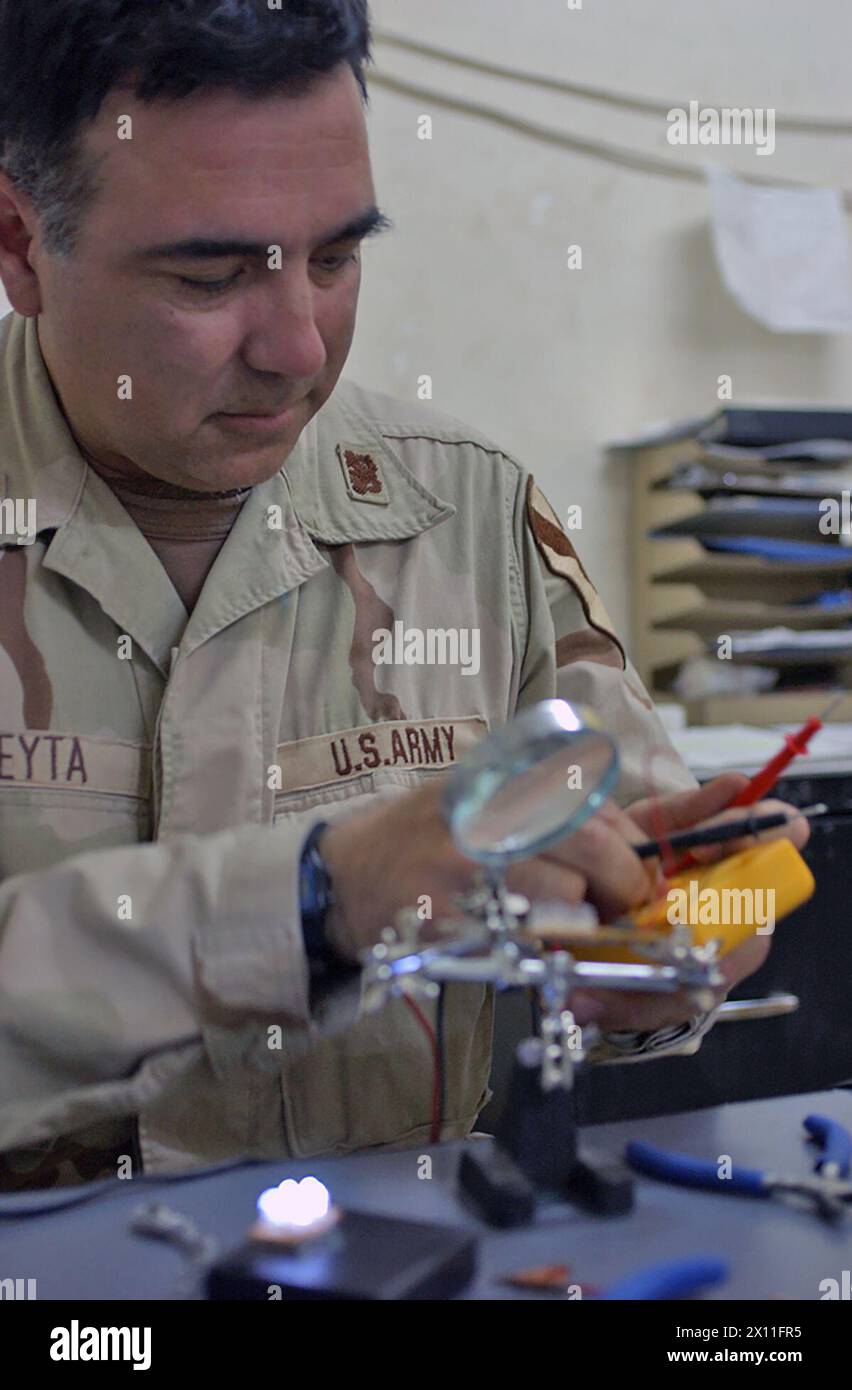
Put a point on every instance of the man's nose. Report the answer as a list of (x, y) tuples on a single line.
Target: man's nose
[(282, 334)]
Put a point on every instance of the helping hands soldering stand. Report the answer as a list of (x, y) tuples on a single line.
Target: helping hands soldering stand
[(506, 801)]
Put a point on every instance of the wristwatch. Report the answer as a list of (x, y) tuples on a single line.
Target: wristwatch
[(332, 978), (316, 897)]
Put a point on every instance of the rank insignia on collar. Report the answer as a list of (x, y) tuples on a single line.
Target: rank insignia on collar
[(364, 481)]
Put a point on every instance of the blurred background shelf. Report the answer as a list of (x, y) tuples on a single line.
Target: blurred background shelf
[(732, 540)]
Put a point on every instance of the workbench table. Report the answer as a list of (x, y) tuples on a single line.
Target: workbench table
[(775, 1250)]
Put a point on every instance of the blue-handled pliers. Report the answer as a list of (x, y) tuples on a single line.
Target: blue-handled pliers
[(829, 1190), (673, 1279)]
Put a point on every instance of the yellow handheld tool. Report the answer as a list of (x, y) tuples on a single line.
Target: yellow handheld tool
[(728, 901)]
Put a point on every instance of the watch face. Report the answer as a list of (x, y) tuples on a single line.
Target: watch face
[(315, 896)]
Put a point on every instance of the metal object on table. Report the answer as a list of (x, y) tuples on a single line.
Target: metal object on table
[(526, 786), (159, 1222), (772, 1006)]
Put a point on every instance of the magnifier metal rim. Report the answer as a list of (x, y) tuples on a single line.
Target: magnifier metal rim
[(511, 738)]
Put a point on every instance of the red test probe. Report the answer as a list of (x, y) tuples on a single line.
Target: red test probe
[(763, 781)]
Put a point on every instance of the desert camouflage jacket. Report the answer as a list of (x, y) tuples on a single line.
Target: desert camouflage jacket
[(159, 773)]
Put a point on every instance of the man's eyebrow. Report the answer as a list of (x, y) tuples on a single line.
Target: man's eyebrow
[(366, 224)]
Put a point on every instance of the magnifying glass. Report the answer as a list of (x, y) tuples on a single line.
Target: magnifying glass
[(529, 784)]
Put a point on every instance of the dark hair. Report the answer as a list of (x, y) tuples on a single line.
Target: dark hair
[(60, 58)]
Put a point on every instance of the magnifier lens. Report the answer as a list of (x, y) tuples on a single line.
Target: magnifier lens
[(529, 784)]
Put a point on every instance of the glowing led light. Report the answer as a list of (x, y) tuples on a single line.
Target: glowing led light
[(565, 716), (294, 1203)]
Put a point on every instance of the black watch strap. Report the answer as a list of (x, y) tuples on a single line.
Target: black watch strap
[(316, 895)]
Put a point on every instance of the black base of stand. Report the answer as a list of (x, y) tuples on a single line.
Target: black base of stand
[(537, 1151)]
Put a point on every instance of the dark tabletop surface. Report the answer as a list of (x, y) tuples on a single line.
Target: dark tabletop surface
[(775, 1250)]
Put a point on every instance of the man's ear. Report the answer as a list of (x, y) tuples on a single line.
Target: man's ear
[(17, 226)]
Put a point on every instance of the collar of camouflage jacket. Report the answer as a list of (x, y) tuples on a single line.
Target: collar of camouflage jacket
[(342, 483)]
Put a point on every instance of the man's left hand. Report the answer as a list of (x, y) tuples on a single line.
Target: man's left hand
[(645, 1013)]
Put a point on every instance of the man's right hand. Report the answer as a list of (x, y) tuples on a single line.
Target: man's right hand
[(387, 857)]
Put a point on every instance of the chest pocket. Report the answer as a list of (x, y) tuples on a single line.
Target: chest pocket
[(374, 760), (63, 794)]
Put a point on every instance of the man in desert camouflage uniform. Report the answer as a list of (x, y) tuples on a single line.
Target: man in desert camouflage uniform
[(188, 679)]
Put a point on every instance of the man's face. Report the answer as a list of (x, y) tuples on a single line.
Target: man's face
[(208, 342)]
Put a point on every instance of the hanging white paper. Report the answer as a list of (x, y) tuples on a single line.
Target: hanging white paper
[(783, 253)]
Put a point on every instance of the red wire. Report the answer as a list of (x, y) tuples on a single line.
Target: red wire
[(435, 1134)]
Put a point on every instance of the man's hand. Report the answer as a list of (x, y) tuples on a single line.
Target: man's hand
[(388, 857), (644, 1013)]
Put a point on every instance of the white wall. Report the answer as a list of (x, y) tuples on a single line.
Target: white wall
[(472, 287)]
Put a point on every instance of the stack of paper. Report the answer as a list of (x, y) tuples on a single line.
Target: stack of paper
[(745, 551)]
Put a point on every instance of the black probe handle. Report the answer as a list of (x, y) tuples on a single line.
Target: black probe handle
[(712, 835)]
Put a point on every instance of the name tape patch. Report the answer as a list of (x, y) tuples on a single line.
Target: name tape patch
[(33, 758), (417, 743)]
